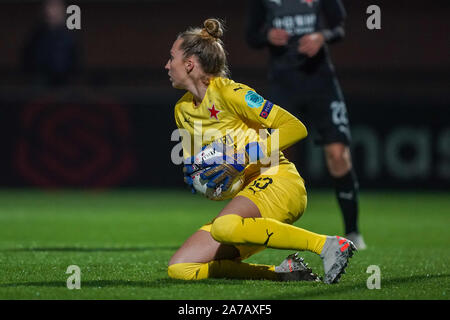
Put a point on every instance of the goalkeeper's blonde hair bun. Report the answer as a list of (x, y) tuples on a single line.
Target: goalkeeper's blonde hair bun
[(206, 44), (213, 27)]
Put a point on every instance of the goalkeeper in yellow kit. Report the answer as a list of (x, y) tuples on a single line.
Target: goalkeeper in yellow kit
[(261, 214)]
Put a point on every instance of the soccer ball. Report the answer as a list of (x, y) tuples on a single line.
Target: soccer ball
[(199, 184)]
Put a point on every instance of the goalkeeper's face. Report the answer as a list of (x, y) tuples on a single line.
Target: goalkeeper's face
[(177, 66)]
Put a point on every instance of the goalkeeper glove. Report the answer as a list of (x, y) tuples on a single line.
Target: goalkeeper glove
[(189, 168), (225, 168)]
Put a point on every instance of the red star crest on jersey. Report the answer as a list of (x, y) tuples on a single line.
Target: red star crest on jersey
[(213, 112), (309, 2)]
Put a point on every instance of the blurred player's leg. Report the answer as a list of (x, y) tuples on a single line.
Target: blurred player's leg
[(333, 127), (346, 188)]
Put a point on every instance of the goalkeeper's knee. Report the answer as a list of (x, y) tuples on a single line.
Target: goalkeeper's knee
[(226, 229)]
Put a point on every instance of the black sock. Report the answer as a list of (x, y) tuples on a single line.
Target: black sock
[(346, 188)]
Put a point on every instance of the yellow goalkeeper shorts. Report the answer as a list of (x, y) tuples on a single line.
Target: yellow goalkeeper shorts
[(281, 196)]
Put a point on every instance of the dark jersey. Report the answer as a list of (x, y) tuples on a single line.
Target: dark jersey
[(297, 17)]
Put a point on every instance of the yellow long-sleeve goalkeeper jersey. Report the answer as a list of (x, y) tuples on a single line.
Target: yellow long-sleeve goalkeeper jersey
[(235, 115)]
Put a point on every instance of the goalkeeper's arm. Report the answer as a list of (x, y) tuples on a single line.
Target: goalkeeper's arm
[(290, 130)]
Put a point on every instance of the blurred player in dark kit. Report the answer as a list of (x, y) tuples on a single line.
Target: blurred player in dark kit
[(302, 79), (51, 53)]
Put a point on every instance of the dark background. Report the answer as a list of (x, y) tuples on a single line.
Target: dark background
[(111, 125)]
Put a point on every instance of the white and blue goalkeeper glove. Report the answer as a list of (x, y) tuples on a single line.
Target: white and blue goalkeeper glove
[(224, 168)]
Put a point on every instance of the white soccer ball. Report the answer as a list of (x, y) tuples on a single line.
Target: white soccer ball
[(199, 184)]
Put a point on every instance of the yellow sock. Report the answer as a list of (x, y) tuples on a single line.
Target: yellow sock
[(221, 269), (233, 229)]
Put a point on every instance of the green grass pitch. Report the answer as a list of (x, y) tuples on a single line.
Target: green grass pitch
[(122, 240)]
